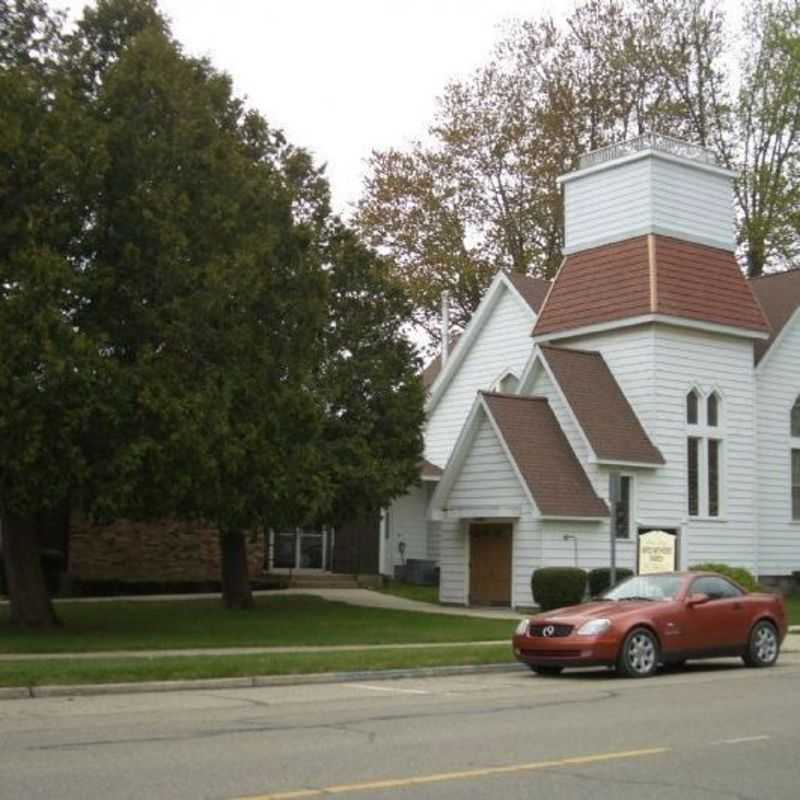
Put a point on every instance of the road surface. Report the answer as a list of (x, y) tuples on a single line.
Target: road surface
[(715, 731)]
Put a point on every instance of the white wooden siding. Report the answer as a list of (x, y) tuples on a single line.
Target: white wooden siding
[(487, 479), (651, 194), (777, 387), (407, 522), (606, 206), (692, 204), (656, 366), (504, 341)]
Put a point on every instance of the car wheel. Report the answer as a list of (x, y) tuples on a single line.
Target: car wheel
[(546, 669), (638, 657), (763, 646)]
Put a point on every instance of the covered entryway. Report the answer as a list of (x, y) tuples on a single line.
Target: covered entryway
[(490, 564)]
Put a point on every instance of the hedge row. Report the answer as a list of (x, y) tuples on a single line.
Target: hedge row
[(554, 587)]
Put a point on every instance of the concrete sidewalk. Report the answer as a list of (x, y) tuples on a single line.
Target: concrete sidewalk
[(355, 597)]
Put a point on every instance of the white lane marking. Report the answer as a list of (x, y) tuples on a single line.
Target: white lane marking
[(389, 689), (742, 739)]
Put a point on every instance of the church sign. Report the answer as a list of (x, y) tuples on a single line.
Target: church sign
[(657, 551)]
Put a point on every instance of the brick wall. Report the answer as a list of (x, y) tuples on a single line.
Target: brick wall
[(168, 550)]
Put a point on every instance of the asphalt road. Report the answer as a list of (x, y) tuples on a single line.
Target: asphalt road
[(713, 731)]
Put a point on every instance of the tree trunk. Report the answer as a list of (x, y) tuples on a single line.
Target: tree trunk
[(236, 592), (27, 592)]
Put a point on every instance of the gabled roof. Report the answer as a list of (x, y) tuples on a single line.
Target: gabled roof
[(600, 407), (537, 449), (431, 372), (530, 291), (650, 275), (429, 471), (543, 456), (779, 295)]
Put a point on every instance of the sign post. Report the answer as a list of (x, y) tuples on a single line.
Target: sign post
[(657, 552)]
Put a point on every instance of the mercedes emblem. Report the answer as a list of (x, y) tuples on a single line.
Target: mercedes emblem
[(548, 630)]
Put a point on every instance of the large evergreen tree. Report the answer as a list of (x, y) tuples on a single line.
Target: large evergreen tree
[(187, 330)]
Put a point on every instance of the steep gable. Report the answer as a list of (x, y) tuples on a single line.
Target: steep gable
[(496, 341), (779, 295), (601, 409)]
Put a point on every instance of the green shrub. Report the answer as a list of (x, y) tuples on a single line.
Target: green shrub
[(553, 587), (600, 579), (742, 576)]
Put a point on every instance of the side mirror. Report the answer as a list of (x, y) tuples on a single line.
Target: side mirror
[(697, 599)]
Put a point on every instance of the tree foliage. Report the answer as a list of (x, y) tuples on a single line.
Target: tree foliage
[(480, 193), (187, 329)]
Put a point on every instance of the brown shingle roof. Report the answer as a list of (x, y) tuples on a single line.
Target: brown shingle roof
[(429, 470), (533, 290), (628, 279), (600, 406), (779, 295), (543, 456), (431, 372)]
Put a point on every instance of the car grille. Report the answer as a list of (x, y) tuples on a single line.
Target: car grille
[(553, 653), (558, 630)]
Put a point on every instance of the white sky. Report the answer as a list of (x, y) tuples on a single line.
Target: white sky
[(344, 77)]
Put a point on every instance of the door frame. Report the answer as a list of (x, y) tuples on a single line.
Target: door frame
[(511, 524)]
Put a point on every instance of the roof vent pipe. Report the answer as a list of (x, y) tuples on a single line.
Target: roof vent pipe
[(445, 326)]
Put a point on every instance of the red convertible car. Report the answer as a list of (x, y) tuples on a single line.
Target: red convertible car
[(649, 620)]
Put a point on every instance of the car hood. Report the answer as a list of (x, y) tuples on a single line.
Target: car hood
[(609, 609)]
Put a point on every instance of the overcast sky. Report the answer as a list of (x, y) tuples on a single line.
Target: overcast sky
[(343, 77)]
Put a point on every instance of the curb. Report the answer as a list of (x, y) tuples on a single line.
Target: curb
[(257, 681)]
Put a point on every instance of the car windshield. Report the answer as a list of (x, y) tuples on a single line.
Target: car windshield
[(646, 587)]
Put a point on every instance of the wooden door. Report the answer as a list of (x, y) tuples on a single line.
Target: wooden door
[(490, 565)]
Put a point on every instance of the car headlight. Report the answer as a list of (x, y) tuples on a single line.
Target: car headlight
[(522, 628), (594, 627)]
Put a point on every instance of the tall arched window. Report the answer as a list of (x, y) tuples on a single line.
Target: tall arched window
[(795, 455), (691, 407), (704, 453)]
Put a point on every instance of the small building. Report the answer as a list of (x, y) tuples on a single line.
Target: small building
[(652, 365)]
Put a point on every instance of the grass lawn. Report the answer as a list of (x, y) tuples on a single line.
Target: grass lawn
[(63, 671), (425, 594), (793, 607), (285, 620)]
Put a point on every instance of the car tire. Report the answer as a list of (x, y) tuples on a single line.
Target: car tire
[(546, 669), (763, 645), (639, 655)]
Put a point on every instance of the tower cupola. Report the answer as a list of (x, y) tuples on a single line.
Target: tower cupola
[(652, 184)]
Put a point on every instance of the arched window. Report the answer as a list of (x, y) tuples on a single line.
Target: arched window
[(795, 465), (796, 418), (691, 407), (712, 410), (704, 454)]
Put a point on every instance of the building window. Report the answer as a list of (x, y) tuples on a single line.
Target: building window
[(704, 454), (795, 448), (691, 408), (795, 484), (694, 476), (623, 509), (713, 477), (712, 409)]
